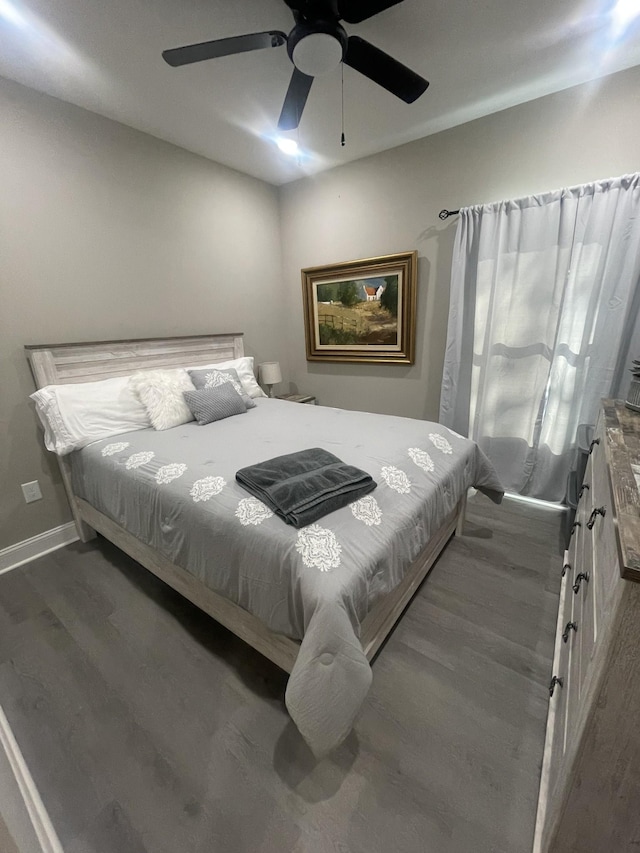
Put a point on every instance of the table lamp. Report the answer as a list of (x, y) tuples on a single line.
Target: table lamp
[(270, 375)]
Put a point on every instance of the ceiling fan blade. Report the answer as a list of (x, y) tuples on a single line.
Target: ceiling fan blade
[(222, 47), (384, 70), (354, 11), (295, 100)]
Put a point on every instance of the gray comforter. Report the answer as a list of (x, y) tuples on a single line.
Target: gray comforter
[(176, 491)]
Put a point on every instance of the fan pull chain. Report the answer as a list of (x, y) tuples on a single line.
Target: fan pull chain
[(343, 140)]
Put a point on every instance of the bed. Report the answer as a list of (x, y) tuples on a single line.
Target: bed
[(319, 601)]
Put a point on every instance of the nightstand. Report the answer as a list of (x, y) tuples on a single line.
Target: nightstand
[(297, 398)]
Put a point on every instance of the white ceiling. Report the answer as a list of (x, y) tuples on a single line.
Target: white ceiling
[(480, 57)]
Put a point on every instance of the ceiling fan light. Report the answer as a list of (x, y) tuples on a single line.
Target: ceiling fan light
[(317, 53), (287, 145)]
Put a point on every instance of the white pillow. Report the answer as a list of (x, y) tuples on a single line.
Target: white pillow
[(76, 414), (161, 393), (244, 368)]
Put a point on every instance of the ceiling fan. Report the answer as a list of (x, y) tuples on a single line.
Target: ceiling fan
[(316, 44)]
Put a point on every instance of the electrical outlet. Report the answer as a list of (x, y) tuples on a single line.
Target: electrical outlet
[(31, 491)]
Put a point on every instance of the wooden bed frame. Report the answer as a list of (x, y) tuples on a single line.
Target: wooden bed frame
[(55, 364)]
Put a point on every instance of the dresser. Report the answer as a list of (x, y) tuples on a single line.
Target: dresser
[(589, 799)]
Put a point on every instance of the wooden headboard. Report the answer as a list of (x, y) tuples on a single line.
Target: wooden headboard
[(57, 364)]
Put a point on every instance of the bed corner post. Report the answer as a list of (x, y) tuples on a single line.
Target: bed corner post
[(462, 511), (44, 370), (85, 533)]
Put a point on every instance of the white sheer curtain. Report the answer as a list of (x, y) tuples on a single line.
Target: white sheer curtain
[(544, 295)]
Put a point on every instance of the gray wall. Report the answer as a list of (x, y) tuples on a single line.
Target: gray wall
[(105, 233), (390, 203)]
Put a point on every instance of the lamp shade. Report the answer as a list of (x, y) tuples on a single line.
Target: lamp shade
[(270, 373)]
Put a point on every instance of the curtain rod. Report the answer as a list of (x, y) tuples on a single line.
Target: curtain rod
[(444, 214)]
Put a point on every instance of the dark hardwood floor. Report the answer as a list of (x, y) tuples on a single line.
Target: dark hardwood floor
[(148, 728)]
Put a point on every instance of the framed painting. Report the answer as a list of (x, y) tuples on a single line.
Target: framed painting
[(362, 310)]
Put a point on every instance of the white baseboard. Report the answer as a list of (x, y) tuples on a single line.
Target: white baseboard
[(23, 552), (46, 836)]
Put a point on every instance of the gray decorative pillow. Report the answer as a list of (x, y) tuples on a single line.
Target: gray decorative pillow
[(214, 404), (213, 378)]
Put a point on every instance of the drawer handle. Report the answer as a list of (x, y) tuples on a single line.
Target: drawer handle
[(581, 576), (599, 510), (555, 680), (593, 444), (573, 527), (566, 566), (583, 487), (570, 626)]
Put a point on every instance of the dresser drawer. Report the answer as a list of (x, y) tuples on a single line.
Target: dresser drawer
[(585, 616), (559, 701), (573, 627), (601, 532), (583, 589)]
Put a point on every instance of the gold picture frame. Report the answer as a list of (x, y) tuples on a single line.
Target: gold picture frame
[(362, 311)]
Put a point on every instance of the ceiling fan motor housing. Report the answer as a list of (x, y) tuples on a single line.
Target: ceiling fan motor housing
[(318, 47)]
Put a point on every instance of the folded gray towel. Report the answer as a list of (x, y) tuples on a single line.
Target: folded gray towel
[(302, 487)]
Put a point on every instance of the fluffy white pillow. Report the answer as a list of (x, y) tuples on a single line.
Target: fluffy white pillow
[(161, 394), (76, 414), (244, 368)]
